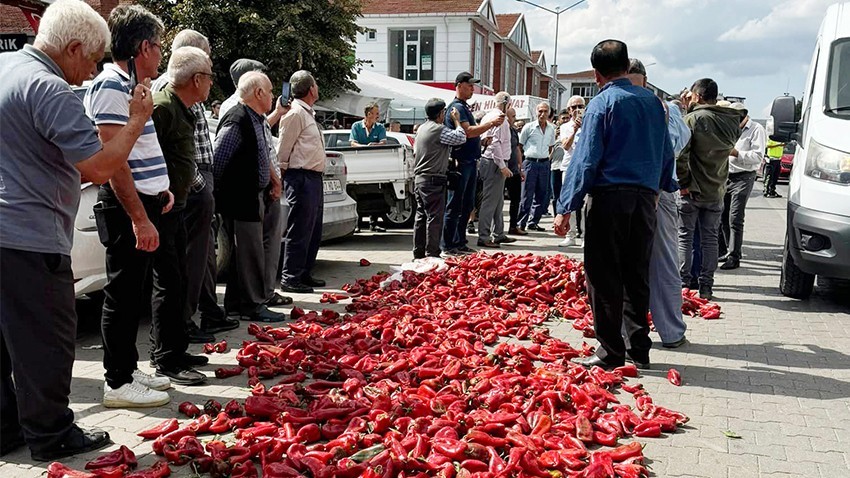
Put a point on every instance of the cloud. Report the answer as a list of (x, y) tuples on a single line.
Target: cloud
[(787, 18)]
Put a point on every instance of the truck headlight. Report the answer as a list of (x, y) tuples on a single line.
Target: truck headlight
[(827, 164)]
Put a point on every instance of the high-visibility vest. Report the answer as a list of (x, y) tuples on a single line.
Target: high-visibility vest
[(774, 149)]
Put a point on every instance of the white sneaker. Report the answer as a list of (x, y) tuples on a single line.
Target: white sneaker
[(568, 242), (133, 395), (153, 382)]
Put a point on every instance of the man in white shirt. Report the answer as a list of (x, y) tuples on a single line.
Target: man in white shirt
[(493, 170), (568, 136), (743, 163)]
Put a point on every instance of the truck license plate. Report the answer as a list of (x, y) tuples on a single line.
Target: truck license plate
[(332, 186)]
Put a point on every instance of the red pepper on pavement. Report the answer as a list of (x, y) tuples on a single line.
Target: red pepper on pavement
[(584, 430), (163, 428), (212, 407), (223, 372), (221, 423), (220, 347), (245, 469), (112, 471), (159, 469), (365, 263), (58, 470), (674, 377), (624, 452), (121, 456), (648, 429), (189, 409)]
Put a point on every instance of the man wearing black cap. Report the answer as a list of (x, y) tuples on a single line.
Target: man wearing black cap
[(465, 162)]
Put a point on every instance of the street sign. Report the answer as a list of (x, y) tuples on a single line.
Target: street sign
[(12, 41)]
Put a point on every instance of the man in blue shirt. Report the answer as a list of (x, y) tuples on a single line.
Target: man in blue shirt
[(465, 163), (368, 132), (537, 139), (622, 160)]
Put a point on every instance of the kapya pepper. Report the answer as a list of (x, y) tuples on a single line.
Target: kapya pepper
[(159, 469), (163, 428), (58, 470), (121, 456), (189, 409)]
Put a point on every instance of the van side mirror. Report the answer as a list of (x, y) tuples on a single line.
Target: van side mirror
[(783, 112)]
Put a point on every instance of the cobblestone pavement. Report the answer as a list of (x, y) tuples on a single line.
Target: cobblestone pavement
[(774, 370)]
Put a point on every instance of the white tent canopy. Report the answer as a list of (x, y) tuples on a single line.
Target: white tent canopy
[(406, 99)]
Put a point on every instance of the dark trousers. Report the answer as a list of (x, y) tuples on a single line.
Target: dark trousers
[(738, 189), (200, 252), (168, 331), (305, 196), (771, 175), (128, 284), (557, 180), (534, 190), (618, 246), (430, 194), (704, 215), (38, 326), (461, 201), (273, 226), (514, 186), (246, 284)]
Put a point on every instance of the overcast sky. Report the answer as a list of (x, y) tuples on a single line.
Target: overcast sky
[(758, 49)]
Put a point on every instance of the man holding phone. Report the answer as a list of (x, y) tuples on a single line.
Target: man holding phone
[(493, 170), (569, 134)]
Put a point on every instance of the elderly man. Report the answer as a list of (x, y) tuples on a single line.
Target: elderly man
[(703, 169), (665, 292), (569, 133), (129, 210), (237, 69), (46, 143), (744, 161), (368, 132), (190, 70), (513, 184), (431, 150), (493, 170), (302, 161), (537, 139), (622, 174), (198, 216), (243, 172)]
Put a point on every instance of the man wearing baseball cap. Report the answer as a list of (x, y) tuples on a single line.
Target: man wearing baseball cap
[(464, 163)]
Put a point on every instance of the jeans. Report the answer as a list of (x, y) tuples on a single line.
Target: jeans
[(619, 235), (738, 190), (305, 195), (491, 221), (557, 182), (708, 214), (665, 289), (430, 194), (461, 201), (534, 189)]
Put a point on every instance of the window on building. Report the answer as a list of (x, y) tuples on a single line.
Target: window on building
[(412, 54), (585, 90), (478, 59), (519, 82), (510, 78), (371, 34)]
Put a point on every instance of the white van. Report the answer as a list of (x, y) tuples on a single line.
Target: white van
[(817, 240)]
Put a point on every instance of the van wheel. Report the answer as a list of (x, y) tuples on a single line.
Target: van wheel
[(402, 213), (794, 282), (223, 251)]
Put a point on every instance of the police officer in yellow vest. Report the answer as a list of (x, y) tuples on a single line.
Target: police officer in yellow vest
[(771, 169)]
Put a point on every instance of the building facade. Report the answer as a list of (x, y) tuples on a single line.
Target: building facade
[(583, 83)]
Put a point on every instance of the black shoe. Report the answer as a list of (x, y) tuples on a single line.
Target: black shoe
[(466, 250), (517, 231), (263, 314), (214, 326), (181, 374), (295, 288), (594, 361), (676, 344), (198, 336), (376, 228), (505, 240), (705, 292), (488, 244), (774, 195), (730, 264), (638, 364), (187, 359), (723, 258), (76, 441), (535, 227), (312, 281), (10, 442)]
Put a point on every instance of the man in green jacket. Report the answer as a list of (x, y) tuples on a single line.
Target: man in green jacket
[(703, 169)]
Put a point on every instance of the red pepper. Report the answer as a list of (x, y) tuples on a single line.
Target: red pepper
[(628, 370), (228, 372), (245, 469), (584, 430), (309, 433), (201, 464), (208, 349), (112, 471), (220, 347), (454, 449), (624, 452), (121, 456), (280, 470), (221, 423), (159, 469), (189, 409), (200, 424), (648, 429), (674, 377), (212, 407), (163, 428), (365, 263), (58, 470)]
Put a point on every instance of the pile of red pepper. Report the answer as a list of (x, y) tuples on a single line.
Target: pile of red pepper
[(417, 381), (693, 305)]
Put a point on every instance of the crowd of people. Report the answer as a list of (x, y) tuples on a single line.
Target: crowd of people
[(650, 199)]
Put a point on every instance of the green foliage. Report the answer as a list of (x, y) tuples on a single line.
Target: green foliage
[(286, 35)]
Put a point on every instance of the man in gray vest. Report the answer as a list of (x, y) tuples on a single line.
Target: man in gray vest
[(431, 150)]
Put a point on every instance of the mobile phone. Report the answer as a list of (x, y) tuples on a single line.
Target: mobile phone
[(285, 91), (131, 69), (580, 113)]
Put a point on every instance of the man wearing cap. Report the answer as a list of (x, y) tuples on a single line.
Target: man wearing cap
[(744, 160), (537, 139), (431, 150), (465, 158), (237, 69), (493, 170)]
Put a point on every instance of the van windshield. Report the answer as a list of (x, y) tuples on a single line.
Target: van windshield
[(838, 80)]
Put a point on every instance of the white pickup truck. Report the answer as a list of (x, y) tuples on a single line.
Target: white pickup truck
[(380, 178)]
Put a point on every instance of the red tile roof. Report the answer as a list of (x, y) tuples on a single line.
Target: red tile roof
[(576, 76), (506, 23), (535, 55), (401, 7)]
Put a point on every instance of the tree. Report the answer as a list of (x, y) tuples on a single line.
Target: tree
[(286, 35)]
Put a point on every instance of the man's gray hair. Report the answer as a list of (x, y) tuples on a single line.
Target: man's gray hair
[(301, 81), (502, 98), (250, 82), (636, 67), (185, 63), (546, 104), (575, 100), (67, 20), (189, 37)]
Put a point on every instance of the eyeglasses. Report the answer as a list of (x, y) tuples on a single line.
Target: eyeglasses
[(575, 107), (210, 75), (158, 45)]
